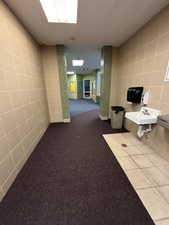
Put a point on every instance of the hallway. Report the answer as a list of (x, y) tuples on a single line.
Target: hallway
[(82, 105), (61, 162), (72, 178)]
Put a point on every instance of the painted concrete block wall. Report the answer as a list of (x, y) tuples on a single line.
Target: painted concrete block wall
[(142, 61), (79, 86), (60, 52), (98, 82), (23, 107), (106, 77), (114, 78), (51, 74)]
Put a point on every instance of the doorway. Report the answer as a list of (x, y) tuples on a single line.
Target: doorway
[(87, 90), (83, 93), (89, 61)]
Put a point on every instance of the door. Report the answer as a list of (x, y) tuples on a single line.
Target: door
[(87, 89)]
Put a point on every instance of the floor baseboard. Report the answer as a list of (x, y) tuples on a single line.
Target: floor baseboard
[(103, 117), (68, 120)]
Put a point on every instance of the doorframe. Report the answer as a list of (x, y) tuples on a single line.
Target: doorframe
[(106, 70)]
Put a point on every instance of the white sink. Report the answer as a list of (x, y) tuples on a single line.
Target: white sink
[(144, 116)]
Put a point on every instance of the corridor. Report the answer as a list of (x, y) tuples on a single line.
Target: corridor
[(84, 112), (81, 105)]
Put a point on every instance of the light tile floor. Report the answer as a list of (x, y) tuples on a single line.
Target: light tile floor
[(147, 172)]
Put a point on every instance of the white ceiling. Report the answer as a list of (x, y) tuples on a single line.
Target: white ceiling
[(100, 22), (91, 57)]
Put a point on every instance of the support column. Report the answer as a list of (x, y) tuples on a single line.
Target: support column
[(63, 83), (105, 82)]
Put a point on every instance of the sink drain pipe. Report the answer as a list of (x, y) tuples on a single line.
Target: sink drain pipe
[(143, 129)]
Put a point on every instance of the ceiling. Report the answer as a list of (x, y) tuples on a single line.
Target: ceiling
[(100, 22), (91, 57)]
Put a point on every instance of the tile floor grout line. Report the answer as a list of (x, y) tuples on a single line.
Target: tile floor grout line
[(163, 219), (156, 186)]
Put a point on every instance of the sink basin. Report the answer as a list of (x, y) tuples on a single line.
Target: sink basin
[(144, 116)]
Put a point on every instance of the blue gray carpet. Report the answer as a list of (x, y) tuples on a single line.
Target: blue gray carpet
[(82, 105)]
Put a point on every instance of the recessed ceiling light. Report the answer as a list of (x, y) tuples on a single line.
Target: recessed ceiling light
[(70, 72), (60, 11), (78, 62)]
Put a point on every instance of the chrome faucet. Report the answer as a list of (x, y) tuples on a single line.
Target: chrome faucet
[(146, 112)]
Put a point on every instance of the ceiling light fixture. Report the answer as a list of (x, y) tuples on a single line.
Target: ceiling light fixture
[(70, 72), (60, 11), (78, 62)]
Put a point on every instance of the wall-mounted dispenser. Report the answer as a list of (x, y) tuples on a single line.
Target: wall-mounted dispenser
[(134, 94), (145, 98)]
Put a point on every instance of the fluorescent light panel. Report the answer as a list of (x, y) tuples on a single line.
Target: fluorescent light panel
[(60, 11), (79, 62), (70, 72)]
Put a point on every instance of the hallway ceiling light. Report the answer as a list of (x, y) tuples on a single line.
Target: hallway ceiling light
[(78, 62), (60, 11), (70, 72)]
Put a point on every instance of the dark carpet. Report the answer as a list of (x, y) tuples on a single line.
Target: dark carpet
[(82, 105), (72, 178)]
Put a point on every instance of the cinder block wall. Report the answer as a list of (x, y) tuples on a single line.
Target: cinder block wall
[(142, 61), (23, 106), (52, 82)]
